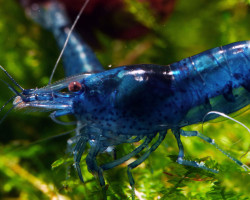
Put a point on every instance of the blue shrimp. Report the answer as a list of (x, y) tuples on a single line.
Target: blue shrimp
[(130, 103)]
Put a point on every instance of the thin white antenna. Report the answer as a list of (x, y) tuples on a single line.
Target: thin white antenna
[(67, 39), (245, 167), (226, 116)]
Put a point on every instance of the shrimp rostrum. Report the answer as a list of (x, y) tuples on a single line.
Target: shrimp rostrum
[(130, 103)]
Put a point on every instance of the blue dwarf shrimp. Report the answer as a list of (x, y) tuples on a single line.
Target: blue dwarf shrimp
[(136, 102)]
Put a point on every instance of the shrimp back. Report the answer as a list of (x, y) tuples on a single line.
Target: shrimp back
[(144, 99)]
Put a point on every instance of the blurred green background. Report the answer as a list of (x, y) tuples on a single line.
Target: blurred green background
[(29, 52)]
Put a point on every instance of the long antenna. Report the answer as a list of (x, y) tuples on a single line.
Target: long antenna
[(67, 39), (5, 115), (7, 103), (12, 79), (13, 89)]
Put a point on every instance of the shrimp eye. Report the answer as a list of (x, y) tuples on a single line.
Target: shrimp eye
[(74, 86)]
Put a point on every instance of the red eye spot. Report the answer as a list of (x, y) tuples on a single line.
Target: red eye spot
[(74, 86)]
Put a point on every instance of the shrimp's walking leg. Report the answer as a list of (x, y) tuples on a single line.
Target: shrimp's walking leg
[(93, 166), (180, 159), (211, 141), (78, 151), (128, 156), (142, 159), (90, 160)]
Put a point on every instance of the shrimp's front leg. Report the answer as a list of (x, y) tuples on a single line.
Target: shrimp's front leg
[(123, 159), (142, 159), (93, 166), (77, 152)]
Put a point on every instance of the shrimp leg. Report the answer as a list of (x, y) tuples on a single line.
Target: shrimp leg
[(211, 141), (180, 159), (93, 166), (142, 159), (78, 151), (119, 161)]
